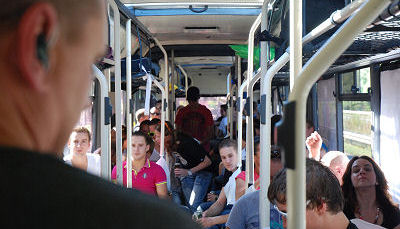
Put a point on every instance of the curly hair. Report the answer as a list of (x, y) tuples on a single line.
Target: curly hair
[(383, 197)]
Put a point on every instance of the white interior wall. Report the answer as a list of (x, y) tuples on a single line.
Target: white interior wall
[(390, 126), (327, 112), (211, 81)]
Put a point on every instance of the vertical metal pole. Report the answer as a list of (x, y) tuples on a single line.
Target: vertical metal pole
[(249, 118), (230, 108), (264, 129), (104, 129), (238, 61), (128, 103), (118, 92), (296, 196), (172, 98), (163, 103)]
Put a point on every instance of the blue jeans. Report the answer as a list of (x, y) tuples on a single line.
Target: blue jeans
[(195, 188), (227, 209)]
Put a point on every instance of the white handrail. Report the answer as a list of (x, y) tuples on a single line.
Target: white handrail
[(166, 84), (186, 78), (312, 70), (249, 119), (118, 92), (105, 157), (265, 89), (128, 103), (163, 97)]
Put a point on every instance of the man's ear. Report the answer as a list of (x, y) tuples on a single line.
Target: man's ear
[(147, 147), (34, 30), (321, 210)]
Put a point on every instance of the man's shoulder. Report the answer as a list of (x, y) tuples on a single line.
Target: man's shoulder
[(54, 192)]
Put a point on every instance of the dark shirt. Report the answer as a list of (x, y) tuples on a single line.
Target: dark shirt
[(391, 216), (40, 191), (351, 226), (191, 152)]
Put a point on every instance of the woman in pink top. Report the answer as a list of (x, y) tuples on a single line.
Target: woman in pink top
[(147, 176)]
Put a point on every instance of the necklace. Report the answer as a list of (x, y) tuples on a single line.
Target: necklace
[(376, 217)]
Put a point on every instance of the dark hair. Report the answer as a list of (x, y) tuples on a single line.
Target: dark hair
[(383, 197), (169, 128), (193, 94), (228, 143), (321, 186), (141, 134), (155, 121), (224, 107), (310, 124)]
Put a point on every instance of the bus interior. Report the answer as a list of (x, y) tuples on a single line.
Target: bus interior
[(329, 68)]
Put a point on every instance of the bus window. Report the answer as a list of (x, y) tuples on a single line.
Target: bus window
[(357, 114)]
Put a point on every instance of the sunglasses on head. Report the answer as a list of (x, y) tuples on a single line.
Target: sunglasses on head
[(275, 152)]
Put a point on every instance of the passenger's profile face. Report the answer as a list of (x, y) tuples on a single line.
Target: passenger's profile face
[(139, 147), (229, 158), (362, 173), (79, 143), (312, 218)]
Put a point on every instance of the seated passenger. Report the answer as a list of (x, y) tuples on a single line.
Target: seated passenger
[(140, 117), (337, 162), (217, 214), (222, 122), (79, 146), (245, 213), (147, 176), (156, 154), (145, 126), (324, 200), (153, 125), (311, 136), (194, 172), (155, 111), (366, 194)]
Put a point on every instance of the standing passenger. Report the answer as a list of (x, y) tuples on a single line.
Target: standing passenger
[(79, 145), (47, 49), (195, 119)]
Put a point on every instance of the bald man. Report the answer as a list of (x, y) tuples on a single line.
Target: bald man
[(47, 48)]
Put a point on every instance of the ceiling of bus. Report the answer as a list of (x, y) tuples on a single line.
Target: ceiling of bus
[(173, 30), (191, 1)]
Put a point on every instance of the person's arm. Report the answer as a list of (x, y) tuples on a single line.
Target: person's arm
[(162, 191), (211, 221), (314, 143), (217, 206), (240, 188)]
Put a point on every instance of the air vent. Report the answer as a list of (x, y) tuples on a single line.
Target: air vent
[(201, 29)]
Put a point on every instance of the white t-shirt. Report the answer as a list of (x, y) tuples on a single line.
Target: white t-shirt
[(94, 163), (361, 224), (163, 163), (230, 187)]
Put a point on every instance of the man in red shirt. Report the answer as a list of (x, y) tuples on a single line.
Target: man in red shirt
[(195, 119)]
